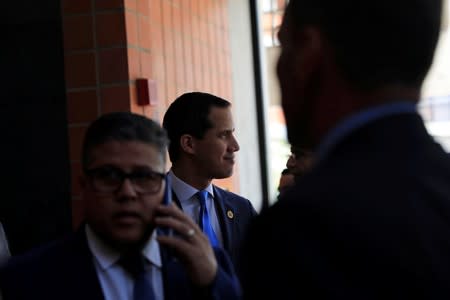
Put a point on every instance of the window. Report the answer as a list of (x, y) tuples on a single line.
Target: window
[(272, 16)]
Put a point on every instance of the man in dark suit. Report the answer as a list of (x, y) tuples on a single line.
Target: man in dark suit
[(200, 128), (121, 252), (299, 162), (371, 220)]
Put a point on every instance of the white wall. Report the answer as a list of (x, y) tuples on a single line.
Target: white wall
[(437, 86), (244, 103)]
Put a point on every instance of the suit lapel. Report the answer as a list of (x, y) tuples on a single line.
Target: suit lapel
[(82, 263), (175, 280), (227, 224), (223, 209), (176, 200)]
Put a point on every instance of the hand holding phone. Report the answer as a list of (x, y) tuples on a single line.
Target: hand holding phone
[(167, 200), (188, 244)]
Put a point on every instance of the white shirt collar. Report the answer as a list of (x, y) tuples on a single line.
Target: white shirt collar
[(184, 191), (106, 256)]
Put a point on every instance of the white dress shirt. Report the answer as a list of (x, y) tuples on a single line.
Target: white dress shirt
[(191, 204), (116, 283)]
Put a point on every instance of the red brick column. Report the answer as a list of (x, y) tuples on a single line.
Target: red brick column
[(181, 44)]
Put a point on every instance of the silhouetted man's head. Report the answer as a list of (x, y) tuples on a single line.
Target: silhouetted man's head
[(359, 46)]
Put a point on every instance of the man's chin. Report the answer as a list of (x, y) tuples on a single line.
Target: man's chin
[(224, 174), (126, 239)]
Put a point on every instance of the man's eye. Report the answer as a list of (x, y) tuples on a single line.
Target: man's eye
[(142, 175), (109, 174), (146, 178), (146, 175)]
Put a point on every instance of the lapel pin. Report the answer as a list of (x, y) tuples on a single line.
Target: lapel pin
[(230, 214)]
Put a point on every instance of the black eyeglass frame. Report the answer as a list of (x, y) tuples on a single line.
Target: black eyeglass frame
[(91, 173), (300, 153)]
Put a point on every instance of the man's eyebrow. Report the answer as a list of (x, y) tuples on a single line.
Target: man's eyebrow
[(227, 131)]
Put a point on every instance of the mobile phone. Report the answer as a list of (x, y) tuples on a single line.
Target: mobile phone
[(167, 199)]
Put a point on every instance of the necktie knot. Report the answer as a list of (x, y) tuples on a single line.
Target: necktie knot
[(202, 196), (133, 263)]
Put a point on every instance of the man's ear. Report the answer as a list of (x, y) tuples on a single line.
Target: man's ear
[(187, 143)]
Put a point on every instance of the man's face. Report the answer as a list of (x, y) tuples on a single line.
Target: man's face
[(123, 217), (286, 180), (214, 153), (299, 162), (298, 82)]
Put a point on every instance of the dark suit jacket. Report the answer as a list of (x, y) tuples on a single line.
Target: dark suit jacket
[(65, 270), (234, 213), (371, 221)]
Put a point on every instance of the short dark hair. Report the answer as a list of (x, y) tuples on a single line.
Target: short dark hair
[(376, 42), (123, 126), (188, 114)]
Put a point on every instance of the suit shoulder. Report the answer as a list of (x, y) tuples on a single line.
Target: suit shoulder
[(40, 258), (234, 200), (222, 192)]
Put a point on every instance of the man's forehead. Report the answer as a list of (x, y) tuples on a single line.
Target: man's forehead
[(219, 114), (221, 128)]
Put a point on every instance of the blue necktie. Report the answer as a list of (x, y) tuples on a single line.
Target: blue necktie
[(134, 264), (205, 222)]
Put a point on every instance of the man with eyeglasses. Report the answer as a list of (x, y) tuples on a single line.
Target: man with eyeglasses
[(120, 252), (299, 162)]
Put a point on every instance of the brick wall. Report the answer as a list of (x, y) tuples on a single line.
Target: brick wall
[(181, 44)]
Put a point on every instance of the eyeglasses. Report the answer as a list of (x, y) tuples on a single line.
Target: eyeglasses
[(298, 154), (110, 179)]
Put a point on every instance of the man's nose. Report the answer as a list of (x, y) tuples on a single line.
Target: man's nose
[(234, 144), (127, 189), (290, 162)]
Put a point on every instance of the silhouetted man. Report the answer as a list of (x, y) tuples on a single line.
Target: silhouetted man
[(371, 220)]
